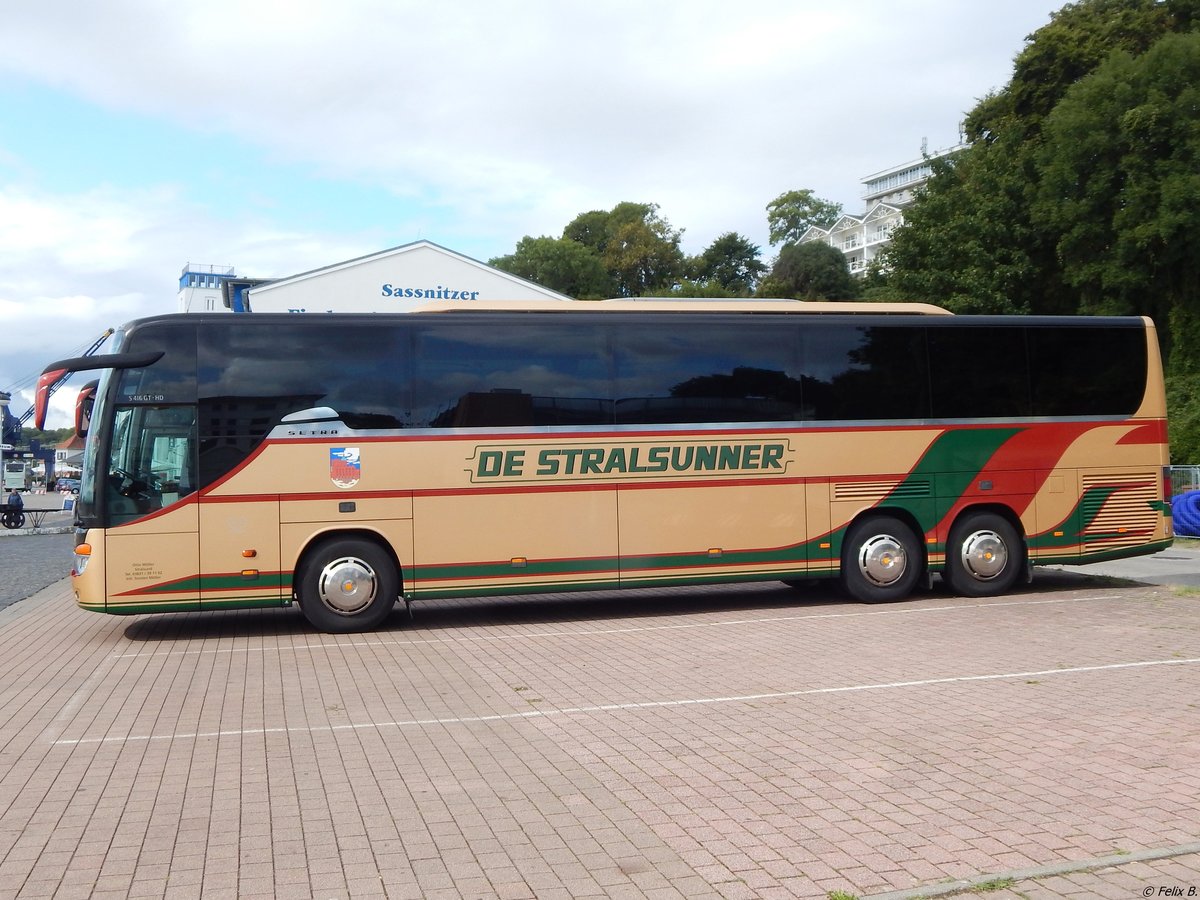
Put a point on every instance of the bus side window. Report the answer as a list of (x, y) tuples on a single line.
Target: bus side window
[(667, 372), (467, 375), (860, 372), (978, 372)]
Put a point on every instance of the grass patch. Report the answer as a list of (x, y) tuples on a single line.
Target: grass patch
[(996, 884), (840, 895)]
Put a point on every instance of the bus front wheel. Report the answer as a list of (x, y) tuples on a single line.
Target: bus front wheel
[(347, 584), (881, 560), (984, 555)]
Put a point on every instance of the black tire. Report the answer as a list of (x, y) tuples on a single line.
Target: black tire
[(881, 560), (12, 519), (984, 556), (347, 584)]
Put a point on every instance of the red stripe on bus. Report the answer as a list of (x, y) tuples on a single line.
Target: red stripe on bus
[(1151, 433)]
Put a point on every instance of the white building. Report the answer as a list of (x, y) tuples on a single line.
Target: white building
[(885, 195), (395, 280), (200, 288)]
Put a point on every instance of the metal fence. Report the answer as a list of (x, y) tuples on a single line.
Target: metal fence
[(1184, 479)]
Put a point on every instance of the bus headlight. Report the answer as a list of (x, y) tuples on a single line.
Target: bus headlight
[(83, 553)]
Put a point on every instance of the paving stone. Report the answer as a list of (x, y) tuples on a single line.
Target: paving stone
[(709, 742)]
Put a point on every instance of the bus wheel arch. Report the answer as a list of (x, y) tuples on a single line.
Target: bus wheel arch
[(985, 552), (882, 556), (347, 581)]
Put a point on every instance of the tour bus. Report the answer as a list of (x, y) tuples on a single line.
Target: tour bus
[(346, 462), (18, 475)]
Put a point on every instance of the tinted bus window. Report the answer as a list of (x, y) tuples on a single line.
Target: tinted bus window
[(170, 380), (854, 372), (360, 371), (515, 373), (1089, 371), (978, 371), (673, 372), (252, 374)]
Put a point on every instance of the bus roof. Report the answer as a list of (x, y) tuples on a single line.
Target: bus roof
[(686, 304)]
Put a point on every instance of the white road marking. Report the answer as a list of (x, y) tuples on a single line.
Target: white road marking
[(624, 707)]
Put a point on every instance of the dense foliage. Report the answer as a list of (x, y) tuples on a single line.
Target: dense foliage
[(1080, 189), (793, 212), (632, 251), (811, 271), (49, 438)]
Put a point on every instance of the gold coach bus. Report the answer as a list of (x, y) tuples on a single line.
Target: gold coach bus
[(345, 462)]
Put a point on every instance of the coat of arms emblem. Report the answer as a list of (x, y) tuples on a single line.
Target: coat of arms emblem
[(345, 466)]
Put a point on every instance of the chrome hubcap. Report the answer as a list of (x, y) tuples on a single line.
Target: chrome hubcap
[(882, 559), (984, 555), (347, 586)]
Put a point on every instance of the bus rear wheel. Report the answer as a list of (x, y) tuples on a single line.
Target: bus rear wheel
[(881, 560), (347, 584), (984, 555)]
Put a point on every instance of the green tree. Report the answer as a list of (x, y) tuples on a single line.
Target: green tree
[(1078, 192), (970, 241), (638, 247), (810, 271), (690, 287), (1183, 385), (1079, 38), (792, 213), (48, 438), (559, 264), (967, 243), (590, 229), (643, 257), (1120, 185), (731, 262)]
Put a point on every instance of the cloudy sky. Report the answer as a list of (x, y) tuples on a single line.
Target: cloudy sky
[(276, 137)]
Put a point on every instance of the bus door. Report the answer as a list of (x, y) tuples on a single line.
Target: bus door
[(151, 549)]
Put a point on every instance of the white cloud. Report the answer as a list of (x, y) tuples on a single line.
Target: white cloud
[(516, 104), (76, 265)]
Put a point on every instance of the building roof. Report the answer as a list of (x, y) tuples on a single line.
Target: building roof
[(414, 247)]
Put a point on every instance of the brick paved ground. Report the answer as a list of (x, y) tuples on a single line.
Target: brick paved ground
[(30, 562), (731, 742)]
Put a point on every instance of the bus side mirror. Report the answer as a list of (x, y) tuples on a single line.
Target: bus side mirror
[(83, 408)]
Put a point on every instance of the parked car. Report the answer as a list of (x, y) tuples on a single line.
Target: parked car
[(67, 485)]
